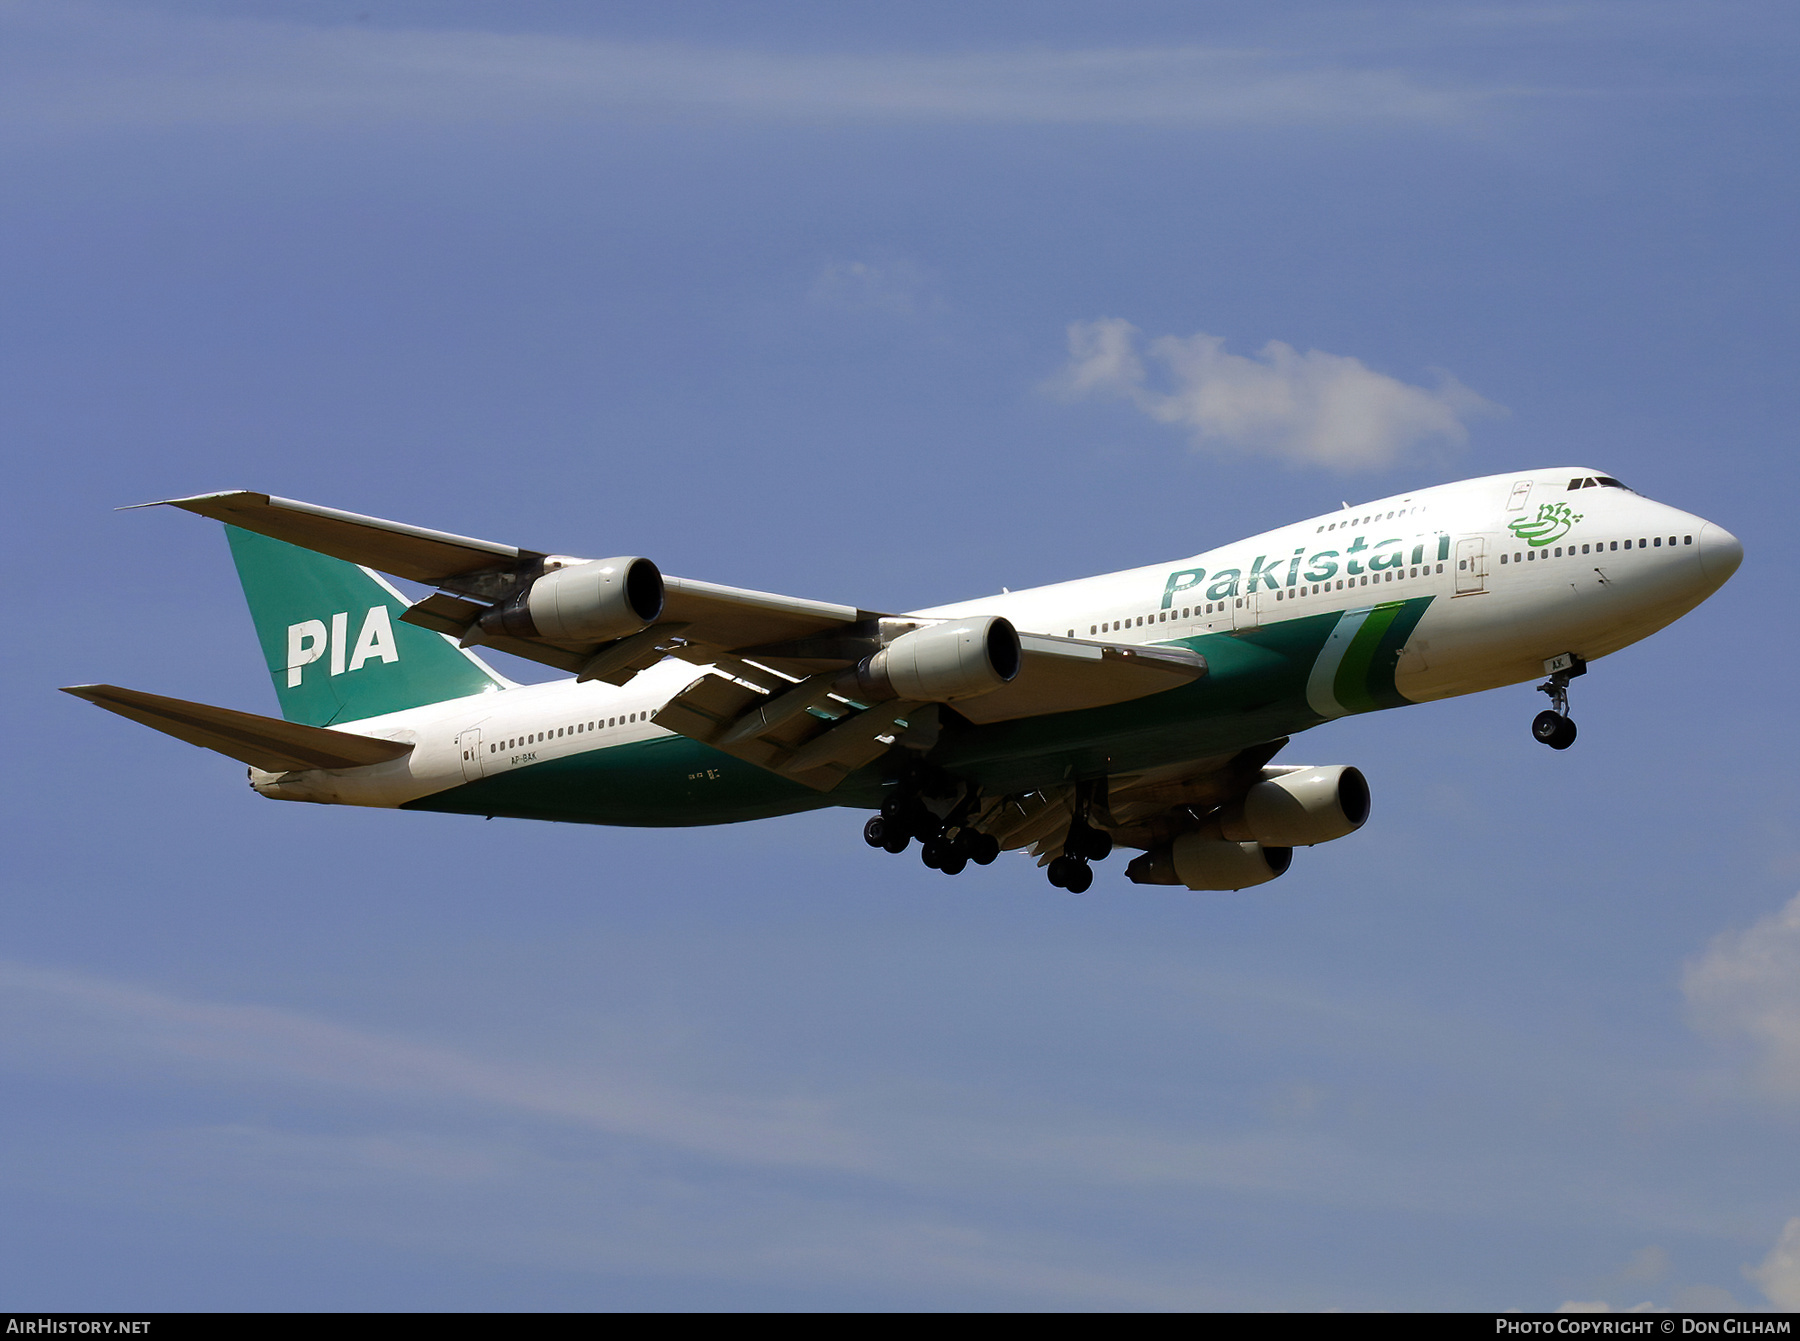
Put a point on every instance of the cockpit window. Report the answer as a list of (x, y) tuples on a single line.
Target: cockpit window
[(1597, 482)]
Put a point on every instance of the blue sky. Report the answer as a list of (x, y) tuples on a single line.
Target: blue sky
[(809, 298)]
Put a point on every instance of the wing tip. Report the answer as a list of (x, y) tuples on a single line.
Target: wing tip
[(193, 498)]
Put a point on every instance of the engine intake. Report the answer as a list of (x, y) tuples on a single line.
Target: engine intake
[(1299, 808), (589, 602), (1202, 862), (939, 663)]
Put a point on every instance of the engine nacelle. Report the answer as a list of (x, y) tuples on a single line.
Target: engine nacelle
[(591, 602), (1201, 862), (1299, 808), (939, 663)]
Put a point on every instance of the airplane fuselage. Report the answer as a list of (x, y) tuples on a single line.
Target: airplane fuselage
[(1427, 595)]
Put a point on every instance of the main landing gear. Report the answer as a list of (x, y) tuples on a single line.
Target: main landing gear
[(1084, 844), (937, 811), (945, 843), (1553, 726)]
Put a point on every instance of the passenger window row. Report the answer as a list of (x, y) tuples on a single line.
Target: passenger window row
[(1281, 594), (580, 728), (1372, 517), (1294, 593), (1600, 547)]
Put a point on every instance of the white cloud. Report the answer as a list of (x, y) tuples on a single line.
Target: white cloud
[(897, 287), (1307, 409), (1703, 1299), (1601, 1306), (74, 66), (474, 1187), (1646, 1267), (92, 1015), (1778, 1274), (1747, 987), (581, 1154)]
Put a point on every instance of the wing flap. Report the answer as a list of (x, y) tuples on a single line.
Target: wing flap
[(262, 742), (819, 746), (446, 614)]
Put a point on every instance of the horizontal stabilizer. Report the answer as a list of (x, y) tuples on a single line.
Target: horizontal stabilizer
[(262, 742)]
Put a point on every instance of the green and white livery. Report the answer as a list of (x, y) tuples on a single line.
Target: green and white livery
[(1140, 709)]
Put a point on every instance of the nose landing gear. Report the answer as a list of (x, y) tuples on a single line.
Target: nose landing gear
[(1553, 729), (1553, 726)]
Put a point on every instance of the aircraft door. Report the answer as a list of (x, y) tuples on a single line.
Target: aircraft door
[(1471, 566), (1247, 611), (468, 743)]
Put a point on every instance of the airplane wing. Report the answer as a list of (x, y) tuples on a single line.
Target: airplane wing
[(776, 690), (262, 742), (479, 575), (817, 732), (1138, 809)]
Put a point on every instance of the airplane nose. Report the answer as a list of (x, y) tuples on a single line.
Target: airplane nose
[(1720, 553)]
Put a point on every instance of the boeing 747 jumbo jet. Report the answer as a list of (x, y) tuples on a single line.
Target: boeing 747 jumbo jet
[(1141, 709)]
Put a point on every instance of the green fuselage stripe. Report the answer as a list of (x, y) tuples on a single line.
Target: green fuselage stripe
[(1262, 684), (1351, 685)]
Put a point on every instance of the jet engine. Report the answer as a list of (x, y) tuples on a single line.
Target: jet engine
[(1299, 807), (939, 663), (1252, 840), (585, 602), (1202, 862)]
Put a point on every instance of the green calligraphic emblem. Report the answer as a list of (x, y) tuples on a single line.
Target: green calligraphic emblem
[(1552, 523)]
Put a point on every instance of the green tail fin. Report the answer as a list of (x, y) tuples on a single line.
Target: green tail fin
[(333, 640)]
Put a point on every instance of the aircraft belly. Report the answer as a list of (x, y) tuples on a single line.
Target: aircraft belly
[(429, 768), (665, 781)]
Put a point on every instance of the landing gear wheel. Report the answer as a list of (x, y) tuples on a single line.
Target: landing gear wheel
[(1553, 729), (953, 864), (1097, 846), (1069, 873), (875, 832), (983, 848), (897, 841), (935, 853), (1082, 878)]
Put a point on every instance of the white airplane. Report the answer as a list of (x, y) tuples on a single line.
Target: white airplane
[(1140, 709)]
